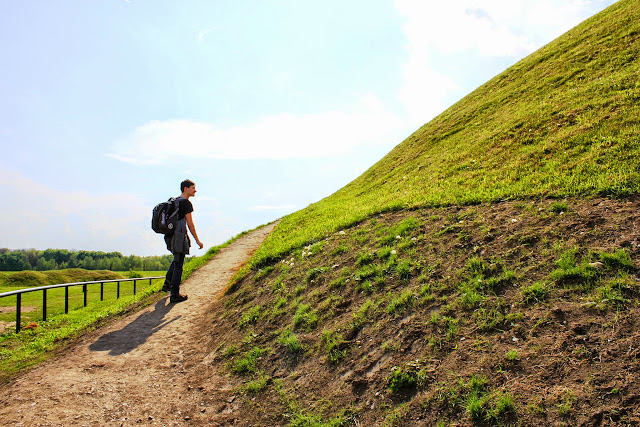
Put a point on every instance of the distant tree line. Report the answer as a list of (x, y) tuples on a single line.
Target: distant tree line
[(58, 259)]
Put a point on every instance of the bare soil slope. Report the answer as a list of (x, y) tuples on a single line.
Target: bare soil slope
[(510, 313), (140, 368)]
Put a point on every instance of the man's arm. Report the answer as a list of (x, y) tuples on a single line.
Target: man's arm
[(192, 229)]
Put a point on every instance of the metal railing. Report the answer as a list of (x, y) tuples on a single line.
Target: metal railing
[(18, 293)]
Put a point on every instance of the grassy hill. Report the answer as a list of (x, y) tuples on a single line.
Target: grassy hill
[(483, 273), (563, 121)]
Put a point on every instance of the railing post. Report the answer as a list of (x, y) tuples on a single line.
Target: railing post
[(66, 299), (18, 310), (134, 286), (101, 291), (84, 290), (44, 305), (118, 291)]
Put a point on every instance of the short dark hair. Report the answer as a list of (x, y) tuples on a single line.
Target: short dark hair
[(186, 184)]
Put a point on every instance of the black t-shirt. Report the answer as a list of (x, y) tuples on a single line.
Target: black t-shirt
[(184, 207)]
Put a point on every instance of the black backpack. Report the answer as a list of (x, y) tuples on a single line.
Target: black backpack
[(165, 216)]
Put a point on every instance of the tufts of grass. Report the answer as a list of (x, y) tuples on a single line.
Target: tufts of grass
[(489, 318), (361, 315), (404, 227), (290, 341), (384, 252), (247, 363), (559, 207), (615, 293), (512, 355), (366, 287), (340, 250), (570, 270), (305, 318), (367, 271), (263, 272), (400, 379), (618, 259), (426, 294), (565, 404), (250, 317), (334, 345), (338, 283), (257, 385), (469, 296), (536, 292), (504, 406), (403, 270), (314, 273), (365, 258), (401, 302)]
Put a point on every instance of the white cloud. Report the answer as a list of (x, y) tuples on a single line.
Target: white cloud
[(486, 28), (491, 27), (449, 30), (202, 35), (48, 218), (425, 90), (281, 136)]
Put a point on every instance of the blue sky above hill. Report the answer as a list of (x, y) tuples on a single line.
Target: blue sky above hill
[(267, 105)]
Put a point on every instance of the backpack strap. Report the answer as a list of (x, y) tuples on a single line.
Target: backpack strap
[(176, 201)]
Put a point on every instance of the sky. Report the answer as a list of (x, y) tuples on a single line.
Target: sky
[(267, 105)]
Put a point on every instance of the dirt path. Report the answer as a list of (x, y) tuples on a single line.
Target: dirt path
[(139, 369)]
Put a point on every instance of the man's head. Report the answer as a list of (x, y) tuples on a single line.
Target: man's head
[(186, 184), (188, 188)]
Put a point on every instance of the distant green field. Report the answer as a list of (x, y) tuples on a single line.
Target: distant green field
[(31, 304)]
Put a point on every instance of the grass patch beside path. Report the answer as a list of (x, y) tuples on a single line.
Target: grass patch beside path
[(32, 346)]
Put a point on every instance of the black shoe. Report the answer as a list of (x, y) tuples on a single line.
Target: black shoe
[(166, 288), (177, 298)]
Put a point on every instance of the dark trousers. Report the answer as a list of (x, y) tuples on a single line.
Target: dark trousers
[(174, 274)]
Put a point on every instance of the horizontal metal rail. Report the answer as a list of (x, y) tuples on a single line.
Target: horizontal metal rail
[(84, 285)]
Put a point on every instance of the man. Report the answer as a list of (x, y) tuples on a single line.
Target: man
[(178, 243)]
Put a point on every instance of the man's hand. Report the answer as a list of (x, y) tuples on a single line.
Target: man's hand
[(200, 244)]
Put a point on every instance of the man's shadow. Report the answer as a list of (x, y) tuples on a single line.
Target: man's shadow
[(136, 332)]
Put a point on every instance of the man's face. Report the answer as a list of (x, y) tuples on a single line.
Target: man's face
[(191, 191)]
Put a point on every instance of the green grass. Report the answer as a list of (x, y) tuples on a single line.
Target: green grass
[(23, 350), (247, 363), (30, 347), (250, 317), (400, 302), (401, 379), (289, 340), (31, 303), (29, 278), (561, 122), (333, 342), (257, 385), (305, 319), (534, 293)]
